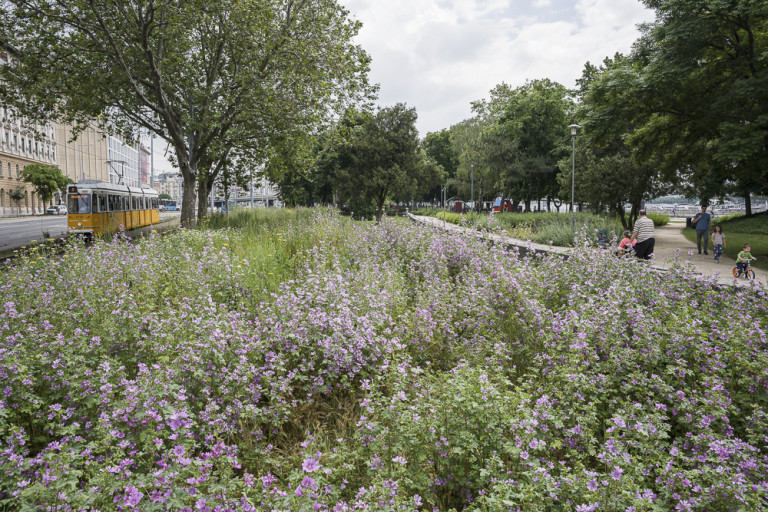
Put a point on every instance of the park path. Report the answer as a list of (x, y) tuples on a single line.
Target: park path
[(671, 248)]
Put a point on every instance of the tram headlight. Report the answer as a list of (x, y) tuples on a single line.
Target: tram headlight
[(79, 224)]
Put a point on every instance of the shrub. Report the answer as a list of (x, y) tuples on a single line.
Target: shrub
[(659, 219), (308, 362)]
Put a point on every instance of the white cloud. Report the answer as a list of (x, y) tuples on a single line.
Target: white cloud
[(439, 55)]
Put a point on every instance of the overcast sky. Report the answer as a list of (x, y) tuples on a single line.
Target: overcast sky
[(439, 55)]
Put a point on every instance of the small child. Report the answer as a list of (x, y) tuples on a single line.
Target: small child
[(626, 244), (718, 242), (743, 258)]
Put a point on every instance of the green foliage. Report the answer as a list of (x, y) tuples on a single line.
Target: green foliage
[(376, 157), (700, 88), (527, 139), (164, 196), (659, 219), (739, 223), (17, 194), (47, 180), (295, 360)]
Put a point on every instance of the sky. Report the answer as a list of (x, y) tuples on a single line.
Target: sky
[(440, 55)]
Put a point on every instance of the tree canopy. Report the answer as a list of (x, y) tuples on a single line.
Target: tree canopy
[(218, 80), (377, 156), (46, 179)]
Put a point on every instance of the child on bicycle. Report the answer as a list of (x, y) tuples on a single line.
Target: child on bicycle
[(625, 246), (718, 242), (744, 257)]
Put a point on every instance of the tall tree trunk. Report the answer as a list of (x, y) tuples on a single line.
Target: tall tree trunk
[(188, 198), (748, 203), (203, 190), (379, 209)]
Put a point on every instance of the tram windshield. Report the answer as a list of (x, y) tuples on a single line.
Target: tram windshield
[(79, 203)]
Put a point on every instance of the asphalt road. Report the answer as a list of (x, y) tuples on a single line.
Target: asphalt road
[(16, 232)]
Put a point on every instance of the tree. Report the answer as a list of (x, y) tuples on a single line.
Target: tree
[(46, 179), (205, 76), (16, 195), (440, 148), (164, 196), (704, 71), (378, 156), (535, 118), (609, 171)]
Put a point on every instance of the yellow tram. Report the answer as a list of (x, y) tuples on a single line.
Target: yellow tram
[(95, 207)]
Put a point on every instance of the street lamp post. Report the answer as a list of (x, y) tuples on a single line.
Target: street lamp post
[(574, 128), (472, 188)]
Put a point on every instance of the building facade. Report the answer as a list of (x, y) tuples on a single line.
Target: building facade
[(21, 144), (169, 183), (84, 158)]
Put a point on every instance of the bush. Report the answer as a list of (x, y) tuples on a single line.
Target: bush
[(307, 362), (659, 219)]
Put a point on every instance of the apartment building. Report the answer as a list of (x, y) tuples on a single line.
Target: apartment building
[(169, 183), (22, 143)]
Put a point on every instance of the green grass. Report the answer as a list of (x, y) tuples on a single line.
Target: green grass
[(739, 230)]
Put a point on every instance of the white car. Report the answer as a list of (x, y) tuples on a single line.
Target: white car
[(57, 209)]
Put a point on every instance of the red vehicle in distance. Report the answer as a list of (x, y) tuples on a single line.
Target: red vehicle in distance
[(502, 205)]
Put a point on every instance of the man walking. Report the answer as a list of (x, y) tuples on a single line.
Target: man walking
[(645, 235), (701, 222)]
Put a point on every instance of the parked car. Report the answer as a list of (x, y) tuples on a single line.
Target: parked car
[(56, 209)]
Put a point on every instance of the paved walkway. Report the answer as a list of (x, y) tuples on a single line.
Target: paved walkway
[(671, 244), (671, 248)]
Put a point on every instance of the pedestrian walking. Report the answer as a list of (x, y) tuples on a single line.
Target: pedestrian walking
[(718, 242), (644, 233), (701, 222)]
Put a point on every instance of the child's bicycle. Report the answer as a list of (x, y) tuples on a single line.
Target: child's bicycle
[(748, 272)]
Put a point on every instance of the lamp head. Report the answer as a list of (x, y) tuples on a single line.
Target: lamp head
[(574, 128)]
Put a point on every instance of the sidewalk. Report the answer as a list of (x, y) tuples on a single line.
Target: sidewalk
[(670, 243), (671, 248)]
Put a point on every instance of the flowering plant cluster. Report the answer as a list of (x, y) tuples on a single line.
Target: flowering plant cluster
[(320, 364)]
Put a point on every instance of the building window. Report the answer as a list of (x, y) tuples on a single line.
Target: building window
[(9, 169), (15, 141), (17, 171), (23, 145), (1, 169), (7, 139), (36, 149)]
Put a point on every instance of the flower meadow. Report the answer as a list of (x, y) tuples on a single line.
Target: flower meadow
[(312, 363)]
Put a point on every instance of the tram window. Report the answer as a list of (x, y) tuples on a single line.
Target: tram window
[(95, 204), (79, 203), (103, 204)]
